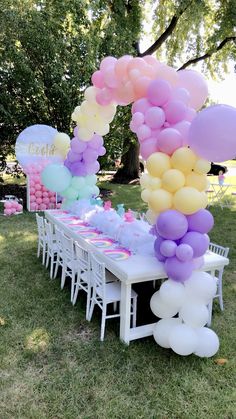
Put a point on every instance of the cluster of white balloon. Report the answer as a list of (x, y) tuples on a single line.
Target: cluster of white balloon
[(185, 334)]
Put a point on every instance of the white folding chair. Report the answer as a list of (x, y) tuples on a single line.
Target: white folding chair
[(222, 251), (59, 259), (69, 262), (83, 277), (42, 239), (104, 293), (51, 249)]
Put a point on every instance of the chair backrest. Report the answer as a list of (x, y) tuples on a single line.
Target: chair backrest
[(58, 234), (40, 226), (82, 257), (219, 250), (49, 234), (98, 274), (68, 247)]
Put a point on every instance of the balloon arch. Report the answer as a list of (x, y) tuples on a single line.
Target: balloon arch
[(177, 144)]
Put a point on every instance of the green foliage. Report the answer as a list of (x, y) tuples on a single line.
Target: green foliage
[(48, 52)]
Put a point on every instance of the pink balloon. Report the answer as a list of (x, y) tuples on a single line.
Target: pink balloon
[(141, 86), (143, 132), (107, 62), (19, 208), (148, 147), (190, 114), (132, 127), (43, 207), (38, 187), (98, 80), (32, 183), (32, 191), (46, 200), (159, 92), (121, 66), (155, 117), (182, 94), (39, 200), (212, 133), (169, 140), (33, 206), (110, 77), (7, 211), (53, 199), (45, 194), (104, 96), (13, 210), (7, 204), (175, 111), (183, 128), (138, 119), (32, 198), (38, 194), (196, 85), (141, 105)]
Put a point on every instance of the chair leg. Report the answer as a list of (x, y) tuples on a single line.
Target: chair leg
[(72, 285), (47, 260), (103, 323), (75, 293), (44, 253), (210, 305), (134, 316), (220, 291), (57, 265), (38, 251), (63, 276), (51, 266), (88, 301), (91, 310)]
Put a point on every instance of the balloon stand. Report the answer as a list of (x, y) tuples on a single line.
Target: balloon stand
[(39, 198)]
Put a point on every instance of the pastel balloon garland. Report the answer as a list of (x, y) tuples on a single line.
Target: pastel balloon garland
[(165, 121)]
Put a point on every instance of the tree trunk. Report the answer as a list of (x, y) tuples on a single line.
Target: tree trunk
[(129, 165)]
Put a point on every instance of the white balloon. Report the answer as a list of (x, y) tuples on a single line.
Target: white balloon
[(162, 331), (162, 309), (172, 292), (194, 314), (183, 340), (201, 286), (208, 343)]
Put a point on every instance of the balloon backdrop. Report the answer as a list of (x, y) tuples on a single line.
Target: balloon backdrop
[(177, 143)]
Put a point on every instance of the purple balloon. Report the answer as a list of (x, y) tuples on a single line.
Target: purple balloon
[(101, 151), (184, 252), (73, 157), (92, 168), (78, 169), (75, 131), (177, 270), (198, 241), (90, 155), (212, 133), (96, 142), (172, 224), (168, 248), (201, 221), (77, 145)]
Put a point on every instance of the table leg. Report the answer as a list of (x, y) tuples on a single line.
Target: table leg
[(125, 312)]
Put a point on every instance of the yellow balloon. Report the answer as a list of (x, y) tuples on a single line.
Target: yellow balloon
[(196, 181), (61, 141), (202, 166), (84, 134), (160, 200), (172, 180), (188, 200), (151, 216), (102, 129), (144, 180), (90, 93), (183, 159), (154, 182), (75, 113), (145, 195), (158, 163)]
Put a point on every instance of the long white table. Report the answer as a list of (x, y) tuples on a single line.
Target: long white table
[(135, 269)]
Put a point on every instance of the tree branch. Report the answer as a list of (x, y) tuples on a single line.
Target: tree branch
[(208, 54), (169, 30)]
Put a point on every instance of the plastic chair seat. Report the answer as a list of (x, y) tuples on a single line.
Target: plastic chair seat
[(113, 292)]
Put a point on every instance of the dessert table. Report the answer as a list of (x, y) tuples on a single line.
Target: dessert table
[(134, 269), (219, 192)]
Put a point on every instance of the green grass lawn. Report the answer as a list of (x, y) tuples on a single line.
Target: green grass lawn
[(54, 366)]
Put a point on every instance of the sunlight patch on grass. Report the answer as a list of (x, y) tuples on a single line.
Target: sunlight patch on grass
[(37, 341), (2, 321)]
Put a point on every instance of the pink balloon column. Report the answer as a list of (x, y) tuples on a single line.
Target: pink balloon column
[(40, 198)]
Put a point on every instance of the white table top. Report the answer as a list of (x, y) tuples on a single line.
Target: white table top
[(136, 268)]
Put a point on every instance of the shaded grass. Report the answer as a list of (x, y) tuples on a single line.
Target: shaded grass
[(54, 366)]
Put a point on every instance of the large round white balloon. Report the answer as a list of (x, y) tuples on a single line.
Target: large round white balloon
[(194, 314), (208, 343), (172, 292), (183, 340), (162, 309), (201, 286), (162, 331)]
